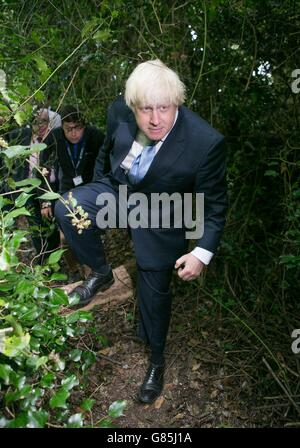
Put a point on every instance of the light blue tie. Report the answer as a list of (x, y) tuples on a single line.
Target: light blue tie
[(141, 164)]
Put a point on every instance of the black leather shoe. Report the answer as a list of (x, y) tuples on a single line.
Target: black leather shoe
[(95, 282), (153, 384)]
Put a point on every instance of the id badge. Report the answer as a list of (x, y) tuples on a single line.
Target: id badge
[(77, 180)]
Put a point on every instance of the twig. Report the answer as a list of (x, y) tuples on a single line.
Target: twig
[(107, 358), (204, 52), (281, 385), (254, 57), (155, 13)]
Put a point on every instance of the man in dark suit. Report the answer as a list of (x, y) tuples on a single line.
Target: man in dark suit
[(153, 145)]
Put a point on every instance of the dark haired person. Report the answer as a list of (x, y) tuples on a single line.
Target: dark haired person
[(73, 149), (76, 146)]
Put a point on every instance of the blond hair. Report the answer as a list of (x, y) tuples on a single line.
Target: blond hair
[(153, 83)]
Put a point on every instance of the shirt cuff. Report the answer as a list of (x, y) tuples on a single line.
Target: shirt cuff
[(202, 254)]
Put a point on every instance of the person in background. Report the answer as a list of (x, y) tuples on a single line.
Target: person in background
[(45, 238), (75, 146)]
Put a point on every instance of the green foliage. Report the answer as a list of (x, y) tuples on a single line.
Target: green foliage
[(39, 367)]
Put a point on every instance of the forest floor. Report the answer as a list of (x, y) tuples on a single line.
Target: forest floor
[(212, 377), (208, 383)]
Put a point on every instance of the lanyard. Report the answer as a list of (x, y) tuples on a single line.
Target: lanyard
[(72, 155)]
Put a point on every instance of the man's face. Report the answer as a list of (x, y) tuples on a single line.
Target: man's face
[(40, 124), (155, 121), (73, 131)]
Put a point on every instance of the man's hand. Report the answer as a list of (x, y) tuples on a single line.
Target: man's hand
[(189, 267)]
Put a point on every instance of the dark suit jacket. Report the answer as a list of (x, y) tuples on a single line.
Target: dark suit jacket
[(57, 150), (191, 159)]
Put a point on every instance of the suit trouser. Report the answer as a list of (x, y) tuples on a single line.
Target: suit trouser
[(153, 286)]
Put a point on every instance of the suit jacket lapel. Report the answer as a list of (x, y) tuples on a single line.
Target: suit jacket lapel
[(124, 138)]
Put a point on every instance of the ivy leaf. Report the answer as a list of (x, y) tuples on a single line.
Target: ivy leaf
[(5, 371), (15, 344), (48, 380), (36, 361), (75, 355), (116, 408), (106, 423), (37, 419), (82, 316), (70, 382), (87, 404), (59, 399), (75, 421), (73, 300), (58, 297), (20, 394)]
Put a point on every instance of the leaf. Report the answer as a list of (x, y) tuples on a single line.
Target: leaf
[(34, 182), (58, 276), (102, 35), (74, 299), (41, 63), (271, 173), (5, 371), (37, 419), (75, 421), (87, 404), (82, 316), (15, 213), (75, 355), (116, 408), (22, 199), (15, 344), (20, 421), (18, 394), (19, 150), (58, 297), (70, 382), (106, 423), (50, 196), (36, 361), (48, 380), (59, 399), (56, 256)]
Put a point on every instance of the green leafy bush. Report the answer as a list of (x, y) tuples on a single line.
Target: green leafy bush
[(40, 364)]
